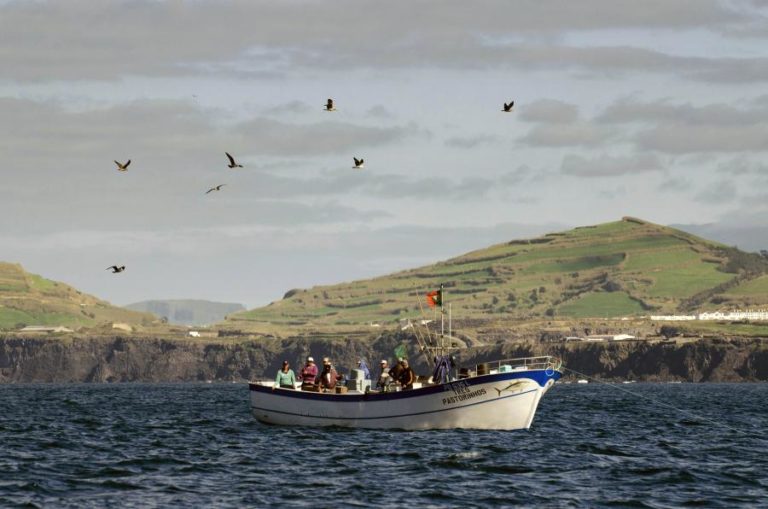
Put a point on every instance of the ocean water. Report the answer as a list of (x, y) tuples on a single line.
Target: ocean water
[(196, 445)]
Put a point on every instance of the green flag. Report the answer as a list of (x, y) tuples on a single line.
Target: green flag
[(400, 351)]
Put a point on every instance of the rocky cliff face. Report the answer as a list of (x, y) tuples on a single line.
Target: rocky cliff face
[(125, 359), (737, 360)]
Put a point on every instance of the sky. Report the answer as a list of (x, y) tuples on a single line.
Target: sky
[(655, 109)]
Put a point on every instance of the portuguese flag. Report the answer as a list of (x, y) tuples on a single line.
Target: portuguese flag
[(435, 298)]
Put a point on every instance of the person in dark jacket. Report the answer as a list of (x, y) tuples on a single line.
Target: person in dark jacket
[(396, 369), (328, 376), (407, 376)]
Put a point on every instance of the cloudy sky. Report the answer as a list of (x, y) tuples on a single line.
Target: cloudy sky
[(656, 109)]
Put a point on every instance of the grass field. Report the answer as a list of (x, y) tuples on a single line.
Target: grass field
[(30, 299), (609, 304), (755, 288)]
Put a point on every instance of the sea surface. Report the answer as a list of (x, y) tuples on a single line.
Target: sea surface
[(196, 445)]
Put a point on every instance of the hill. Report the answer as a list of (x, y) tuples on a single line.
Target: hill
[(625, 268), (29, 299), (188, 311)]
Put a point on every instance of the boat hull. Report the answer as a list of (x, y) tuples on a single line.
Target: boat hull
[(503, 401)]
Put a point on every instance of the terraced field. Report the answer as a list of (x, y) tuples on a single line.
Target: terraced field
[(623, 268)]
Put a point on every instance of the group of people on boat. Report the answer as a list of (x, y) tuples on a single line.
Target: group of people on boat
[(310, 376), (400, 375)]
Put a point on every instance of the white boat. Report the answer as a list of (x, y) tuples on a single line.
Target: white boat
[(501, 395)]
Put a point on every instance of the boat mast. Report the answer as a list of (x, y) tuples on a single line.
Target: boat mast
[(442, 320)]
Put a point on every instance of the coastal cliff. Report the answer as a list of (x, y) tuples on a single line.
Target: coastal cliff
[(129, 359)]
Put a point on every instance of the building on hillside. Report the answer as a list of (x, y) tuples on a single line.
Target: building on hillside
[(45, 328), (673, 318), (609, 337), (735, 315), (758, 314)]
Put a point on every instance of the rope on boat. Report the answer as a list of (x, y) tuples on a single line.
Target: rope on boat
[(660, 402)]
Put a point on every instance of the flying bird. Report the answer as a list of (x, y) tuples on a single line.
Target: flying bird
[(123, 167), (329, 105), (508, 107), (215, 188), (359, 163), (115, 269), (232, 163)]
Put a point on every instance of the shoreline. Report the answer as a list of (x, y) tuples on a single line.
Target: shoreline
[(121, 358)]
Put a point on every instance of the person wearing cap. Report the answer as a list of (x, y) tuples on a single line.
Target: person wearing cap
[(407, 376), (328, 377), (384, 378), (285, 378), (308, 374)]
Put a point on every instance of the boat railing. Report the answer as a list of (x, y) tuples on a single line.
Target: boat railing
[(545, 362)]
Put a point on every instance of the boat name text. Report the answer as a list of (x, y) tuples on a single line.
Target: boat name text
[(462, 392)]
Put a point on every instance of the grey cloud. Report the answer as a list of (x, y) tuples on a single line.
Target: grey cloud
[(380, 185), (61, 170), (629, 110), (269, 136), (718, 193), (563, 135), (293, 107), (675, 185), (674, 139), (171, 133), (742, 166), (549, 111), (247, 37), (45, 130), (686, 128), (614, 193), (609, 166), (379, 111), (471, 141)]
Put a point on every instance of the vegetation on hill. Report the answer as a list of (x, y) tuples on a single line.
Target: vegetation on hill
[(29, 299), (623, 268)]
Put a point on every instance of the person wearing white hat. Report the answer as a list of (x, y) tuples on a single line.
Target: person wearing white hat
[(384, 378), (308, 375)]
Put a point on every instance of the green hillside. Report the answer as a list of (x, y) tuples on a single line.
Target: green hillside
[(29, 299), (624, 268)]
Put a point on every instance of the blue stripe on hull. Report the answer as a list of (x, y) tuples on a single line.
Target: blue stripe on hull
[(540, 376), (253, 408)]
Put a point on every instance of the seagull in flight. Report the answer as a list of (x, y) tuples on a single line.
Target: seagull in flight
[(232, 163), (508, 107), (115, 269), (359, 163), (329, 105), (215, 188), (123, 167)]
